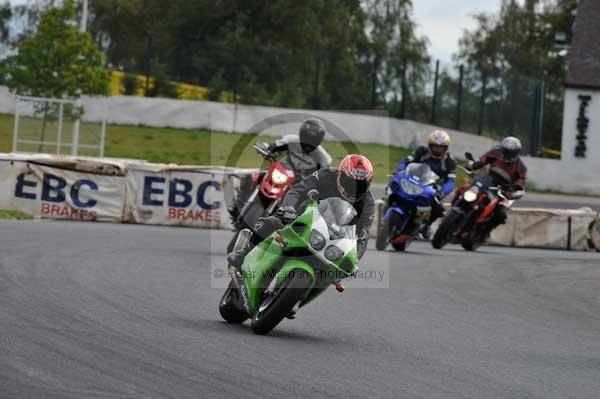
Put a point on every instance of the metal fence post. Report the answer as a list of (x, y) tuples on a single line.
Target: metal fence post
[(404, 91), (75, 144), (59, 128), (482, 103), (459, 97), (434, 100), (16, 125), (540, 127)]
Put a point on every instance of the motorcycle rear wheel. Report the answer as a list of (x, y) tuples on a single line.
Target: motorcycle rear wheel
[(291, 290), (471, 243), (387, 228), (229, 306)]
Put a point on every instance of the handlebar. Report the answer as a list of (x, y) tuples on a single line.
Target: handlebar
[(264, 152), (468, 171)]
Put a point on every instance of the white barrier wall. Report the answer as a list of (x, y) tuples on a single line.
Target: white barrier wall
[(161, 112)]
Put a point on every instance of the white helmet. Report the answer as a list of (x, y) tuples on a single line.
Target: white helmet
[(511, 148), (438, 142)]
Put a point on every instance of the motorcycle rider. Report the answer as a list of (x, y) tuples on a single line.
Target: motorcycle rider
[(350, 181), (505, 157), (305, 155), (437, 156)]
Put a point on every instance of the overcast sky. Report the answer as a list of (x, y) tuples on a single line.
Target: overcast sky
[(442, 21)]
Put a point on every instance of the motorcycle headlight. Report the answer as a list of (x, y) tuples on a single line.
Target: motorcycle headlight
[(470, 195), (410, 187), (333, 253), (278, 178), (317, 241)]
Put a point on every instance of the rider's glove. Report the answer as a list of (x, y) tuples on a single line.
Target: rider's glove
[(287, 214), (438, 192)]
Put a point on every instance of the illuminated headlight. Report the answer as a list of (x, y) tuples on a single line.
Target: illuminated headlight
[(278, 178), (317, 241), (333, 253), (470, 195), (411, 188)]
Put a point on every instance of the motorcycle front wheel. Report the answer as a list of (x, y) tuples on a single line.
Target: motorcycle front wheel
[(447, 226), (275, 307), (386, 230)]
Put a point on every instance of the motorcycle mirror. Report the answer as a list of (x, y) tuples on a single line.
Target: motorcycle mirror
[(469, 156), (313, 194)]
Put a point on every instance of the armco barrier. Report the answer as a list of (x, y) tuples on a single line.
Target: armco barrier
[(80, 188)]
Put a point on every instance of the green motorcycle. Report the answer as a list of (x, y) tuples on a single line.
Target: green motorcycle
[(292, 266)]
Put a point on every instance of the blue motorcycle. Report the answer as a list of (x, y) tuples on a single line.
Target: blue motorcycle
[(410, 194)]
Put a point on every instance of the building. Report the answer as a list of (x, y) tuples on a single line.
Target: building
[(579, 167)]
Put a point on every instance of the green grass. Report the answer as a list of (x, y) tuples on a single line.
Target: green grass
[(184, 147), (14, 215)]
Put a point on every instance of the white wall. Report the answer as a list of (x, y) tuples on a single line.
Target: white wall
[(159, 112), (573, 174)]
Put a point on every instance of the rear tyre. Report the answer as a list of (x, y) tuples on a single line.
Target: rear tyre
[(442, 235), (229, 307), (291, 290), (471, 243), (387, 228), (400, 246)]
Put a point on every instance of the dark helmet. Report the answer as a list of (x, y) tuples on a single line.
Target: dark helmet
[(312, 132), (511, 148)]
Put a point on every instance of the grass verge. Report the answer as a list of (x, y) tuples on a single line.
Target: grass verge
[(184, 147), (14, 215)]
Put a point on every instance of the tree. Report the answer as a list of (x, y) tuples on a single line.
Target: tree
[(57, 61), (400, 63), (511, 52), (5, 15)]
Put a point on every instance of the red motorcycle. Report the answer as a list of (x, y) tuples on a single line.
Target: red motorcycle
[(267, 188), (472, 209)]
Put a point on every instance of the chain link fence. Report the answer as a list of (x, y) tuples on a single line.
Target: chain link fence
[(494, 106)]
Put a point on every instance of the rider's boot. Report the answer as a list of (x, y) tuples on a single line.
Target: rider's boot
[(236, 258), (426, 231)]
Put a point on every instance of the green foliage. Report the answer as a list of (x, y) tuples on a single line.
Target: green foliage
[(130, 84), (5, 15), (57, 61), (312, 53), (163, 87)]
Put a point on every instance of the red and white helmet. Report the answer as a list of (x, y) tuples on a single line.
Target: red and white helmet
[(438, 142), (354, 176)]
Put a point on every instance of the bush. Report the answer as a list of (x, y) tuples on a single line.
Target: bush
[(130, 84)]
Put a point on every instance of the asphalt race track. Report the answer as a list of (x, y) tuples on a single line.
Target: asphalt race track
[(125, 311)]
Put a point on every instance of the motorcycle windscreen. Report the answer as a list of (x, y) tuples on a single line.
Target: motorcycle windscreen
[(421, 172), (338, 215)]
